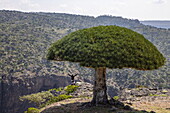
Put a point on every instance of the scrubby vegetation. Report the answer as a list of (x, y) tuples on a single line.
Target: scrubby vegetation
[(162, 95), (32, 110), (45, 98), (116, 97), (70, 89), (38, 98), (56, 99)]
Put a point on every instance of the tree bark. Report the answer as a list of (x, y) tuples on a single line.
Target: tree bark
[(99, 89)]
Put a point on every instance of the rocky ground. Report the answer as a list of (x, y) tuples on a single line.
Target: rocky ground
[(149, 99), (137, 100)]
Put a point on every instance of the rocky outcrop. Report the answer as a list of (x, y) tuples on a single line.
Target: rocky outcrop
[(84, 90), (147, 99), (13, 88), (146, 94)]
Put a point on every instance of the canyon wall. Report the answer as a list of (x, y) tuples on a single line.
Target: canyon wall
[(11, 89)]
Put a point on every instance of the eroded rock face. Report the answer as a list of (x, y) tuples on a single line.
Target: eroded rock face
[(12, 89)]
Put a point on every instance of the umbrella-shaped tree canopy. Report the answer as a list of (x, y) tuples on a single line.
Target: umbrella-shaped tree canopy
[(107, 46)]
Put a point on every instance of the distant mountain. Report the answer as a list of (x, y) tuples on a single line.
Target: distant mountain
[(157, 23)]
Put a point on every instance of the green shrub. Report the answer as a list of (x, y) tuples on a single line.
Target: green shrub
[(164, 91), (162, 95), (141, 86), (60, 97), (38, 98), (116, 97), (153, 95), (32, 110), (46, 97), (56, 89), (70, 89)]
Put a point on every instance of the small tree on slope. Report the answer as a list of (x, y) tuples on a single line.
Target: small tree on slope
[(106, 47)]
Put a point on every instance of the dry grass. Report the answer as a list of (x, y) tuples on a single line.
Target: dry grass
[(65, 105)]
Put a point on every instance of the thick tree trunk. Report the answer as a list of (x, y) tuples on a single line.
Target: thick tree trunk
[(99, 90)]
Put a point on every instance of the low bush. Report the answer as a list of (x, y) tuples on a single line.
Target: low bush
[(70, 89), (38, 98), (32, 110), (45, 98), (161, 95), (56, 89), (116, 97)]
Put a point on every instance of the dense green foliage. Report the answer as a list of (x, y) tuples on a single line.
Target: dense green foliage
[(25, 37), (107, 46)]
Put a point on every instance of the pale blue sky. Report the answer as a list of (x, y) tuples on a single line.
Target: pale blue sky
[(133, 9)]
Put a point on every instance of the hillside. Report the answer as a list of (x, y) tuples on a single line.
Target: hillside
[(25, 37), (158, 23)]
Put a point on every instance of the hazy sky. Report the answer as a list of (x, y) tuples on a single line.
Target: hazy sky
[(133, 9)]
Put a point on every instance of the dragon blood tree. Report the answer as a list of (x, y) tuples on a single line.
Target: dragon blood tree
[(106, 47)]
